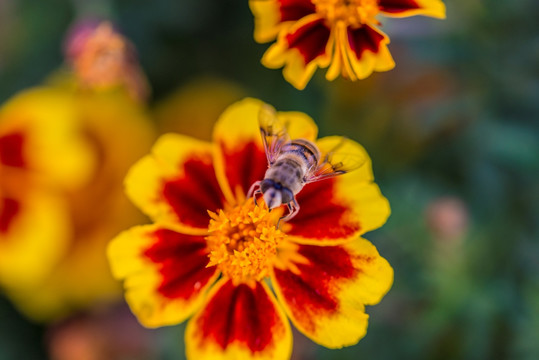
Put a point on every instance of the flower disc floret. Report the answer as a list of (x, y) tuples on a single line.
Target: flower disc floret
[(353, 13), (243, 242)]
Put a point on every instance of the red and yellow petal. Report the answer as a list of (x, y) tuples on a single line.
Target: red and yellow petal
[(367, 51), (40, 131), (34, 232), (324, 289), (9, 209), (271, 16), (164, 272), (340, 64), (301, 49), (176, 183), (12, 149), (359, 52), (239, 322), (239, 157), (405, 8), (339, 209)]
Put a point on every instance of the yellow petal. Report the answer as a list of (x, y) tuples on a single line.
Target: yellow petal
[(176, 183), (324, 289), (165, 273), (432, 8)]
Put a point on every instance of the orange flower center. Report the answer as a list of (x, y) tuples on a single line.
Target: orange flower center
[(353, 13), (243, 241)]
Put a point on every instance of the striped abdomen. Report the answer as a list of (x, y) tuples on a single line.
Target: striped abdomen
[(295, 159)]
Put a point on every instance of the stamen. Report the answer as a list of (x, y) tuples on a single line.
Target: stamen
[(243, 241), (353, 13)]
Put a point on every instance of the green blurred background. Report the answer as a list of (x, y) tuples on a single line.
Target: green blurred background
[(453, 132)]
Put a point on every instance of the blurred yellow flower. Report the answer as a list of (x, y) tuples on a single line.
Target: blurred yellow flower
[(341, 34), (193, 109), (42, 156), (63, 156)]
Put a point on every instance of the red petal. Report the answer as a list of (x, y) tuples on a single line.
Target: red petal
[(292, 10), (309, 292), (11, 150), (320, 217), (397, 6), (9, 208), (183, 259), (240, 314), (324, 289), (364, 39), (194, 193), (244, 165), (310, 39)]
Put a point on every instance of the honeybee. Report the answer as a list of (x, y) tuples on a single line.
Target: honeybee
[(293, 163)]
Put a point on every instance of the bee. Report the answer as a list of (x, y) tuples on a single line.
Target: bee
[(293, 163)]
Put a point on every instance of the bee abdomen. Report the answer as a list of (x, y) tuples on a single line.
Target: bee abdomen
[(304, 149)]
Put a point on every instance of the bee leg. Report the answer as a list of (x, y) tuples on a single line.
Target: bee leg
[(252, 188), (253, 193), (257, 192), (293, 209)]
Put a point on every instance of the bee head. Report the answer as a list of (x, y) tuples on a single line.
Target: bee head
[(275, 194)]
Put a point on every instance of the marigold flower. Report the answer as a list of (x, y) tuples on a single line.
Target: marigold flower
[(64, 149), (61, 165), (41, 155), (210, 250), (341, 34)]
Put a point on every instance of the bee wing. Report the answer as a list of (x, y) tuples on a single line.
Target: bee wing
[(336, 160), (274, 132)]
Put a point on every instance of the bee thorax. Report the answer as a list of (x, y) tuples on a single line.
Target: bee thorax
[(288, 172), (285, 176)]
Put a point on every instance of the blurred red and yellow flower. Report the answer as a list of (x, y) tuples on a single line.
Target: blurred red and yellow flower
[(63, 155), (340, 34), (211, 251), (64, 150), (42, 155)]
